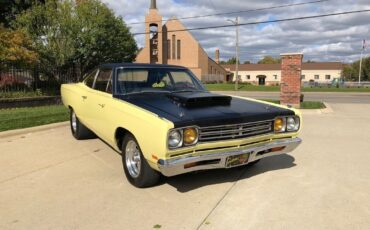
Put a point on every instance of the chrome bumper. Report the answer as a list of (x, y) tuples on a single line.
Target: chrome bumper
[(216, 160)]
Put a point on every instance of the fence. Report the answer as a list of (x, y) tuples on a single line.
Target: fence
[(46, 81)]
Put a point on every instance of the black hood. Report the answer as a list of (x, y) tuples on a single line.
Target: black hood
[(199, 99), (204, 109)]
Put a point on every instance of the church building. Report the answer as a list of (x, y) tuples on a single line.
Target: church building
[(170, 43)]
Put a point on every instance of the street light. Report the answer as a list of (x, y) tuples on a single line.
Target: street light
[(236, 23)]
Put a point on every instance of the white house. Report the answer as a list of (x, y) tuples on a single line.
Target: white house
[(270, 74)]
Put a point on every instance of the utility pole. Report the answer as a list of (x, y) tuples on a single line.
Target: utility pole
[(359, 72), (364, 45), (236, 23)]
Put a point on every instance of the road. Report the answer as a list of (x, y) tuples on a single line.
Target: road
[(352, 98), (48, 180)]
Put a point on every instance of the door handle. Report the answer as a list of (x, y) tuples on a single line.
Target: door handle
[(102, 105), (84, 97)]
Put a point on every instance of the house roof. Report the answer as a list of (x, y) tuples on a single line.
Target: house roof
[(139, 65), (305, 66)]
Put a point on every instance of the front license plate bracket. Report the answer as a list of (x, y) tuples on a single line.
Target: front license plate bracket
[(235, 160)]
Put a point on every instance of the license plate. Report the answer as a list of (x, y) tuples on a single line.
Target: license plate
[(236, 160)]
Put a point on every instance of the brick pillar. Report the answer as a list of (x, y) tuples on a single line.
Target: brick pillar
[(290, 89)]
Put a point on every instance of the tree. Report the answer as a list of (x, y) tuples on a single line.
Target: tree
[(269, 60), (231, 61), (52, 29), (85, 33), (247, 62), (11, 8), (101, 36), (351, 71), (16, 47), (348, 72)]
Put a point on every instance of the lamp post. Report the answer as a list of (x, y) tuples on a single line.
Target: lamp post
[(236, 23)]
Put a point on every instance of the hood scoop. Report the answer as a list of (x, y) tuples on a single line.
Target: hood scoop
[(203, 99)]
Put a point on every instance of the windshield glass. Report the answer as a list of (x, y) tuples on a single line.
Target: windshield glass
[(156, 80)]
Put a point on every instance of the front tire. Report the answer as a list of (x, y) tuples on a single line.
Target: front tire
[(79, 131), (137, 169)]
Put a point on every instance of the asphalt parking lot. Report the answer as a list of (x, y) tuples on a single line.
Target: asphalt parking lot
[(48, 180)]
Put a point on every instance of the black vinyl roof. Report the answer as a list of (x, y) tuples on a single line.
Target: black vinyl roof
[(138, 65)]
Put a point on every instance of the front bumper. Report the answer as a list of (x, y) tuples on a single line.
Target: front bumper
[(216, 160)]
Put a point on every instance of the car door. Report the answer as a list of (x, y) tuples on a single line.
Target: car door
[(84, 110), (102, 99)]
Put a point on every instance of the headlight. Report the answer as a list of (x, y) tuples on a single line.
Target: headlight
[(292, 123), (190, 136), (286, 124), (175, 139), (279, 125), (182, 137)]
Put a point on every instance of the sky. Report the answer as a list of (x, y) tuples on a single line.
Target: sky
[(337, 38)]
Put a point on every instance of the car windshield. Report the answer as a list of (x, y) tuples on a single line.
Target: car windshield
[(131, 81)]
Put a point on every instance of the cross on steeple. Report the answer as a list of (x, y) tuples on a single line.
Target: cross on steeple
[(153, 4)]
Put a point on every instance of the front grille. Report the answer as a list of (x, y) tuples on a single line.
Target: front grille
[(236, 131)]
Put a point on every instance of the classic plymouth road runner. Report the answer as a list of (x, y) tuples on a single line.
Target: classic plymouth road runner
[(163, 121)]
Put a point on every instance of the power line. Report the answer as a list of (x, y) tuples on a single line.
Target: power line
[(236, 12), (263, 22)]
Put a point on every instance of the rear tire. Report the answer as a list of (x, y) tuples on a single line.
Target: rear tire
[(79, 131), (136, 167)]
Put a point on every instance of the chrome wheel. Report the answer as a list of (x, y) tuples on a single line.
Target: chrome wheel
[(74, 122), (133, 158)]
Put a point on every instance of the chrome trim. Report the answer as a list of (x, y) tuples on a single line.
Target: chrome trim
[(248, 123), (172, 167), (74, 122), (133, 159), (232, 131), (235, 131)]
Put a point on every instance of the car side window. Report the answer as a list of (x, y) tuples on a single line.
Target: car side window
[(89, 79), (103, 81)]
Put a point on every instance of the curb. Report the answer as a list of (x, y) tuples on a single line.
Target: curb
[(16, 132), (326, 110)]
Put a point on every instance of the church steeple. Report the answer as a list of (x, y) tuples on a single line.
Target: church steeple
[(153, 4)]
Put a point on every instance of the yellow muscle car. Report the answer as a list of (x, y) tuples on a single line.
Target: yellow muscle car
[(163, 121)]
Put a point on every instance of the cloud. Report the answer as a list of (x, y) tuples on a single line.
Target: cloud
[(322, 39)]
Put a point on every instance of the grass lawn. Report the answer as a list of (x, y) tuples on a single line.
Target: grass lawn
[(304, 105), (242, 87), (29, 117), (245, 87)]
